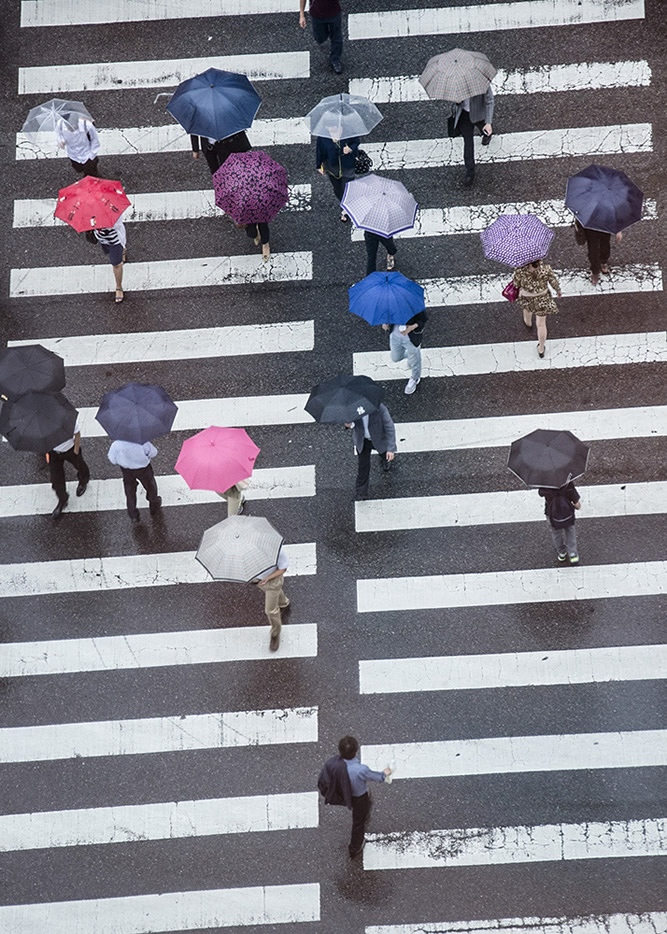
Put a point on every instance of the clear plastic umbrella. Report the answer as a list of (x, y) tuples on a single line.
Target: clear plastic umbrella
[(342, 116), (45, 117)]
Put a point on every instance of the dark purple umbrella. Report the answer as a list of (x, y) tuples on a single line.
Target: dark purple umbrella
[(516, 239), (38, 421), (30, 368), (250, 187), (604, 199)]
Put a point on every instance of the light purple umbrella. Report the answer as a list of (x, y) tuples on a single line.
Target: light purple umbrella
[(380, 205), (516, 239), (250, 187)]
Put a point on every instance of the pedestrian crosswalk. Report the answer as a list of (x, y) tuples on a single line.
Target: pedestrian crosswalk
[(517, 700)]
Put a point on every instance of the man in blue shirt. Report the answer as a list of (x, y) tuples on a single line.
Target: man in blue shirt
[(135, 465), (359, 776)]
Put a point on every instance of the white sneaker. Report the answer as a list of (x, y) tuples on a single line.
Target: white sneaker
[(411, 386)]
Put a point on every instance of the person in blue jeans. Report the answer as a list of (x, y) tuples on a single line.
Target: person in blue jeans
[(327, 20), (400, 347)]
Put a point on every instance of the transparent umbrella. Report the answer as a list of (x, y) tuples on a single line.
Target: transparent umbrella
[(342, 116), (45, 117)]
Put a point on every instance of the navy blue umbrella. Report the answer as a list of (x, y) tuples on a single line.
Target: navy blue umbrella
[(136, 412), (386, 298), (216, 104), (604, 199)]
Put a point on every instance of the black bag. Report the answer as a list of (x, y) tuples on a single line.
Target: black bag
[(452, 131), (362, 162), (90, 236), (579, 234), (417, 335), (560, 510)]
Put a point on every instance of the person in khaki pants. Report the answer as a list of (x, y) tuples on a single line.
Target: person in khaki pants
[(235, 498), (274, 597)]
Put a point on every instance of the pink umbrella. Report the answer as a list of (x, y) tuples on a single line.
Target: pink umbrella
[(217, 458), (250, 187)]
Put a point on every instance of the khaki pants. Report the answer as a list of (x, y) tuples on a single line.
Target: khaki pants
[(274, 601), (233, 496)]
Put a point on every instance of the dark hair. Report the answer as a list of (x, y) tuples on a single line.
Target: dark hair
[(536, 263), (348, 747)]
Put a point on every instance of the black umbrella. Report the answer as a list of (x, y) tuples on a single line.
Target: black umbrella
[(136, 412), (30, 368), (38, 421), (604, 199), (548, 458), (344, 398)]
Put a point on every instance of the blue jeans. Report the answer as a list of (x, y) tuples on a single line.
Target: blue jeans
[(324, 29), (401, 346)]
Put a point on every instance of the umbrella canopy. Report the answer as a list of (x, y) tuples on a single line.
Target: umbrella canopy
[(45, 117), (342, 116), (216, 104), (604, 199), (38, 421), (240, 548), (30, 368), (91, 203), (381, 205), (456, 75), (516, 239), (250, 187), (548, 458), (386, 298), (136, 412), (217, 458), (344, 398)]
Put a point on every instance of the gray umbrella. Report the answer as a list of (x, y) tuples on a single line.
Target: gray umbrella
[(342, 116), (239, 548), (456, 75)]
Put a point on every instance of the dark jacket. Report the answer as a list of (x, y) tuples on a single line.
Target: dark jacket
[(329, 156), (559, 504), (334, 782), (420, 320), (381, 429), (223, 147)]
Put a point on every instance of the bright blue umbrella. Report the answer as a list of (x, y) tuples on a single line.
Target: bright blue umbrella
[(604, 199), (386, 298), (216, 104)]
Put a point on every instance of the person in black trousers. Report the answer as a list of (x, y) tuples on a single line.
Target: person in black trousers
[(69, 450), (359, 776), (259, 233), (372, 431), (335, 158), (372, 241), (217, 151), (599, 248), (135, 465)]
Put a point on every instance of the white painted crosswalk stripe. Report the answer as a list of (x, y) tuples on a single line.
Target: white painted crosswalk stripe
[(498, 588), (169, 820), (36, 499), (504, 506), (547, 79), (168, 911), (509, 755), (590, 141), (153, 650), (141, 346), (158, 734), (119, 572), (649, 922), (520, 356), (193, 272), (497, 846), (388, 24), (512, 669), (156, 73), (151, 206), (82, 12)]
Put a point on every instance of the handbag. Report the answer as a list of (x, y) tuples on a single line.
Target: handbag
[(362, 162), (510, 292), (579, 234), (452, 130)]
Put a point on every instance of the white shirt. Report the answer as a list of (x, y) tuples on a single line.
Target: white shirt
[(466, 104), (364, 422), (69, 444), (281, 564), (130, 455), (82, 143)]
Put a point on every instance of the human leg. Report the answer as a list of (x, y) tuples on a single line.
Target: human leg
[(57, 475), (81, 467), (130, 487), (371, 240), (363, 469), (118, 278), (593, 240), (338, 185), (541, 333), (414, 355), (336, 36), (605, 251), (361, 805), (233, 496), (147, 479), (274, 599), (467, 131), (570, 538), (396, 346)]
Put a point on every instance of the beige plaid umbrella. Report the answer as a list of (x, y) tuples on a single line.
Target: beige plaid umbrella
[(457, 75), (239, 548)]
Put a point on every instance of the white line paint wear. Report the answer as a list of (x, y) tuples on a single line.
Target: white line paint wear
[(166, 911), (152, 206), (649, 922), (497, 846), (153, 650), (140, 346), (168, 820), (489, 17), (508, 755), (546, 79), (83, 12), (512, 669), (36, 499), (502, 506), (92, 575), (158, 275), (158, 734), (156, 73), (496, 588)]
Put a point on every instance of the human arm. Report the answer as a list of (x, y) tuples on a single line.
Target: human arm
[(93, 137), (277, 573), (111, 454), (553, 281), (389, 431), (302, 13), (369, 775), (194, 142), (489, 104), (619, 237), (150, 450), (77, 442), (350, 145)]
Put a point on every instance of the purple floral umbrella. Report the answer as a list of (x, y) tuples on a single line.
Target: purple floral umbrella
[(516, 239), (250, 187)]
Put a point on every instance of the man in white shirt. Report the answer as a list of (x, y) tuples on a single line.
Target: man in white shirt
[(135, 465), (271, 582), (69, 450), (82, 144)]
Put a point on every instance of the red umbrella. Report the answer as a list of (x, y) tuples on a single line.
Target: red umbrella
[(91, 203), (217, 458)]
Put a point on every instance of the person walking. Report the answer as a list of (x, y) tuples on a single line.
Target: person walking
[(405, 341), (335, 158), (599, 248), (135, 465), (216, 151), (354, 791), (113, 241), (559, 509), (533, 281), (372, 241), (327, 21), (82, 144), (69, 450), (275, 600), (372, 431), (259, 233), (473, 112), (235, 498)]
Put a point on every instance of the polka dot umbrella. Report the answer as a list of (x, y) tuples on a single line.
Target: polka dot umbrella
[(516, 239)]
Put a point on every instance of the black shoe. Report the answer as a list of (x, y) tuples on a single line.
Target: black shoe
[(355, 853), (337, 67), (81, 488), (274, 643), (468, 180), (59, 508), (156, 506), (134, 517)]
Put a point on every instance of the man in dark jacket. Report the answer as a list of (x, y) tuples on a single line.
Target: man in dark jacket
[(372, 431), (216, 151), (474, 112), (335, 158)]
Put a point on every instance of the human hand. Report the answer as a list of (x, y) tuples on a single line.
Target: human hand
[(302, 20), (347, 150), (195, 155), (390, 455), (385, 327), (488, 129), (321, 171), (387, 771), (619, 237)]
